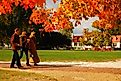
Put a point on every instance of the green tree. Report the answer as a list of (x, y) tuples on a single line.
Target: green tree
[(96, 38), (18, 18)]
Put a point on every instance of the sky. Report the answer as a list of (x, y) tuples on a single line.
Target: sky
[(84, 23), (51, 4)]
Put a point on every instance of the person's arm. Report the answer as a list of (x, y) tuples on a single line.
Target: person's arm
[(13, 41), (28, 42), (20, 40)]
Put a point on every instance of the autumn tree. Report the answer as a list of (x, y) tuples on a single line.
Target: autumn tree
[(86, 39), (110, 17), (19, 17), (96, 38), (108, 12), (101, 39)]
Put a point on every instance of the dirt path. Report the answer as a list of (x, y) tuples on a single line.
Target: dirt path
[(70, 72)]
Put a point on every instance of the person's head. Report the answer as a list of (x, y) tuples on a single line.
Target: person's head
[(32, 34), (17, 31), (23, 33)]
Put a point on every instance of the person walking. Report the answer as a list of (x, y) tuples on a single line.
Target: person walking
[(32, 48), (24, 47), (15, 43)]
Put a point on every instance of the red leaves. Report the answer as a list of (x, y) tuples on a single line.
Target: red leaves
[(2, 11), (49, 28), (41, 2), (103, 24), (28, 4), (54, 1), (39, 16), (55, 22), (5, 7), (35, 17), (16, 2), (109, 11)]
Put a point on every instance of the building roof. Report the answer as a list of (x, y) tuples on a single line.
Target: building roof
[(76, 38), (116, 38)]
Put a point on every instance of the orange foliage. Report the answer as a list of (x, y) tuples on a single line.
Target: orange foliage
[(108, 11), (38, 16), (54, 1), (41, 17), (102, 24), (2, 11), (40, 2), (56, 21), (28, 4), (17, 2), (5, 7)]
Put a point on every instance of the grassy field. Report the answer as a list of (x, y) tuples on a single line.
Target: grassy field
[(68, 55), (23, 76)]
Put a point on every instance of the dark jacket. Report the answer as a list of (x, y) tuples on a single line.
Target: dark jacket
[(23, 42), (15, 41)]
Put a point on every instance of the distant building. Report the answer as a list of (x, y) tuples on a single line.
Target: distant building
[(77, 45), (75, 41), (116, 41)]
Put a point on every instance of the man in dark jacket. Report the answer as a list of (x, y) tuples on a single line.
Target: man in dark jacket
[(15, 47)]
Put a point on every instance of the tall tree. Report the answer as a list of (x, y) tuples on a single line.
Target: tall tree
[(107, 10), (96, 38)]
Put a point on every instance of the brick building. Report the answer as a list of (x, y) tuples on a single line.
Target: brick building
[(116, 41)]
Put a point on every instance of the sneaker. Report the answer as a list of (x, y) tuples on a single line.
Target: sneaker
[(12, 67), (36, 64), (20, 67), (28, 64)]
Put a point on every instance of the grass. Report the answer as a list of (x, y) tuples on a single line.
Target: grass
[(23, 76), (68, 55)]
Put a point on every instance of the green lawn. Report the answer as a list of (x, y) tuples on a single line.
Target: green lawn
[(68, 55), (23, 76)]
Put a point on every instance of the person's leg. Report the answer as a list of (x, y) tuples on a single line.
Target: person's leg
[(27, 57), (36, 58), (17, 59), (21, 53), (33, 55), (13, 60)]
